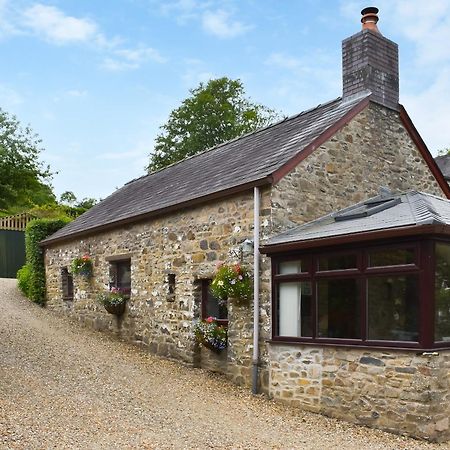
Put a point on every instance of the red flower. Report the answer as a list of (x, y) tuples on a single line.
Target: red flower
[(85, 257)]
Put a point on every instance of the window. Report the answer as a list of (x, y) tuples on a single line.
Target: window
[(393, 308), (295, 309), (442, 293), (120, 275), (212, 306), (66, 284), (171, 287), (338, 308), (366, 296)]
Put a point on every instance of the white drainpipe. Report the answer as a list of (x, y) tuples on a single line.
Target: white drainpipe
[(255, 359)]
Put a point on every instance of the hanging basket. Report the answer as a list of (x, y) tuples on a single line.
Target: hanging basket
[(213, 347), (117, 309)]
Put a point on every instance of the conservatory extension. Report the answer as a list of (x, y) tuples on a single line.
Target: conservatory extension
[(361, 314)]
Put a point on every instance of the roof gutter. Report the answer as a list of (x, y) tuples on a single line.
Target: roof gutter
[(150, 215)]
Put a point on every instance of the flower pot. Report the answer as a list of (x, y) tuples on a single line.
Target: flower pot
[(86, 273), (117, 309), (212, 347)]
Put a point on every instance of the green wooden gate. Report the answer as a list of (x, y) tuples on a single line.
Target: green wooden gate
[(12, 244), (12, 252)]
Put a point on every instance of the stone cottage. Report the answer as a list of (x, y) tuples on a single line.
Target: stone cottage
[(161, 236)]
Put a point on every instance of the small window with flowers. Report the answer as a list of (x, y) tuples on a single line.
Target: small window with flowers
[(374, 296), (120, 275)]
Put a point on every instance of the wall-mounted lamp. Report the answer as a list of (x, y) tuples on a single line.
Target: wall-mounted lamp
[(247, 246)]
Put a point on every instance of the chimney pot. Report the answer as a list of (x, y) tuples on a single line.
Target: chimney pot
[(370, 19)]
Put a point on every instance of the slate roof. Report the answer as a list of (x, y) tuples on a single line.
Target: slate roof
[(385, 211), (248, 160), (443, 163)]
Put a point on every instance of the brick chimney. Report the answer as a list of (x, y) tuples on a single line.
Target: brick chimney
[(370, 63)]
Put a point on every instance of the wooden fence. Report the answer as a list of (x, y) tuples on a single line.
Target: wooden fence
[(15, 223)]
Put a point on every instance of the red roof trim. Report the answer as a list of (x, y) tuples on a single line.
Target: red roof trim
[(420, 144), (325, 136)]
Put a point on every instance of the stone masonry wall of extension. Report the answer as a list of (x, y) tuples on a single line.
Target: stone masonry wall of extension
[(398, 391)]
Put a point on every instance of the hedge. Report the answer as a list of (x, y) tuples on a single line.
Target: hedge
[(24, 279), (36, 231)]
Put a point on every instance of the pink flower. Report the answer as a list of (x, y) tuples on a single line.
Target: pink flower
[(210, 319), (85, 257)]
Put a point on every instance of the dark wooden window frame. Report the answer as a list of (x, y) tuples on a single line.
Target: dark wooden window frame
[(423, 268), (113, 264), (205, 282)]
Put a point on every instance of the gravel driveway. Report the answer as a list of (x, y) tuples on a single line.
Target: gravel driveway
[(63, 386)]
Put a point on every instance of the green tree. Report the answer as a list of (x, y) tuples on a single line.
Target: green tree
[(68, 197), (24, 179), (86, 203), (214, 113)]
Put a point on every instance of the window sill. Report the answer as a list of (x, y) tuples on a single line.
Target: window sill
[(374, 347)]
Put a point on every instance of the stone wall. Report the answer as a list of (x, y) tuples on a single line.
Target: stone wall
[(397, 391), (188, 244)]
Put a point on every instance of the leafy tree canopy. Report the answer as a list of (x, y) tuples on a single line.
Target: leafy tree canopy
[(214, 113), (24, 179), (68, 197)]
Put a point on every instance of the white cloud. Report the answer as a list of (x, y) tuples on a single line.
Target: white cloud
[(141, 54), (433, 119), (284, 61), (215, 20), (76, 93), (54, 26), (183, 10), (7, 27), (219, 23), (70, 94), (128, 59), (196, 72), (9, 98)]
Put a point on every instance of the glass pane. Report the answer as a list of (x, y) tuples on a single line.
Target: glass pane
[(393, 308), (297, 266), (124, 275), (442, 293), (338, 309), (215, 307), (337, 262), (294, 309), (391, 257)]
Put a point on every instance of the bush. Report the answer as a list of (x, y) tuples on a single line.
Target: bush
[(24, 279), (36, 231)]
